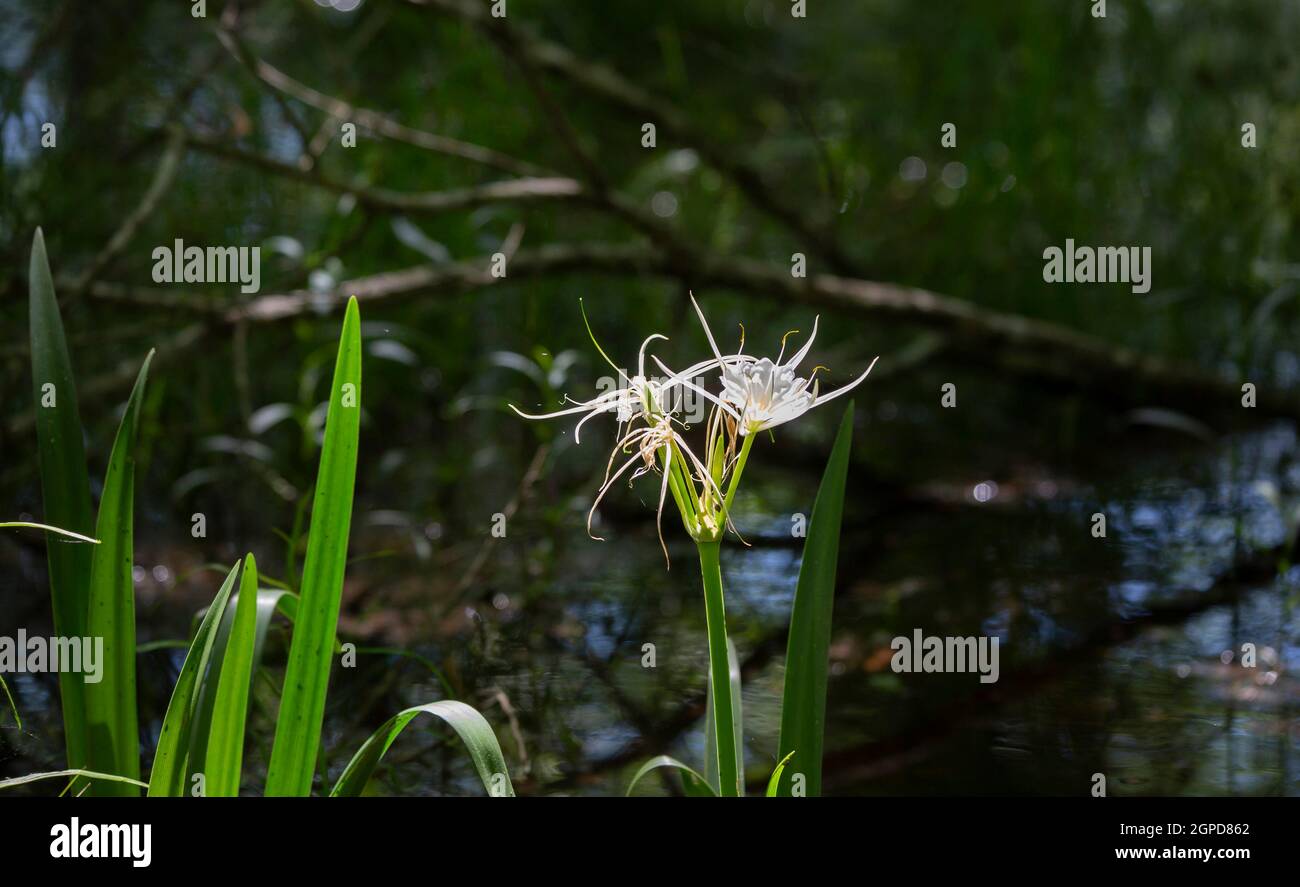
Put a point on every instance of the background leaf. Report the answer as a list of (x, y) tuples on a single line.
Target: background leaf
[(302, 708), (112, 719), (803, 702)]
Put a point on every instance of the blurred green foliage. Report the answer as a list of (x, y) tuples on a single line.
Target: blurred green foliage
[(1123, 130)]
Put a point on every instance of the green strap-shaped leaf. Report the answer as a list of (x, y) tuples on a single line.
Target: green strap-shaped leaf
[(694, 782), (306, 680), (167, 779), (65, 487), (472, 728), (803, 704), (269, 601), (225, 748), (112, 720)]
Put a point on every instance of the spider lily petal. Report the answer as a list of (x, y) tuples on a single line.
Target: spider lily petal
[(818, 401), (803, 352), (766, 393)]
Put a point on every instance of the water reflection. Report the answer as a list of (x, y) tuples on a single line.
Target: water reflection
[(1120, 656)]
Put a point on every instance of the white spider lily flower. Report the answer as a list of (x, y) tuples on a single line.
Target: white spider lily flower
[(760, 393), (636, 396), (647, 411)]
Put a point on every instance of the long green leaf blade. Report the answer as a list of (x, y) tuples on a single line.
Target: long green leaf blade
[(472, 728), (167, 779), (65, 487), (803, 705), (268, 602), (302, 706), (112, 719), (225, 751)]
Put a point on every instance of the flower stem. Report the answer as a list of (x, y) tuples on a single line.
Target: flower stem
[(719, 670), (680, 496), (737, 471), (683, 478)]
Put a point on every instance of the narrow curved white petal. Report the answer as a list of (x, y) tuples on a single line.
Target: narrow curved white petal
[(707, 332), (849, 387), (794, 362), (641, 354), (571, 411)]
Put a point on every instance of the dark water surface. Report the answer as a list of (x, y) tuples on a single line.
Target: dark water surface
[(1118, 656)]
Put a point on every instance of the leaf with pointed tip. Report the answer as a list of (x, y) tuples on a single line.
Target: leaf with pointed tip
[(269, 602), (167, 779), (306, 680), (775, 781), (224, 756), (65, 487), (112, 719)]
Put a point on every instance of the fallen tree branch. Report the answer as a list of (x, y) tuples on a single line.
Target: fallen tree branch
[(1008, 342), (1038, 349)]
